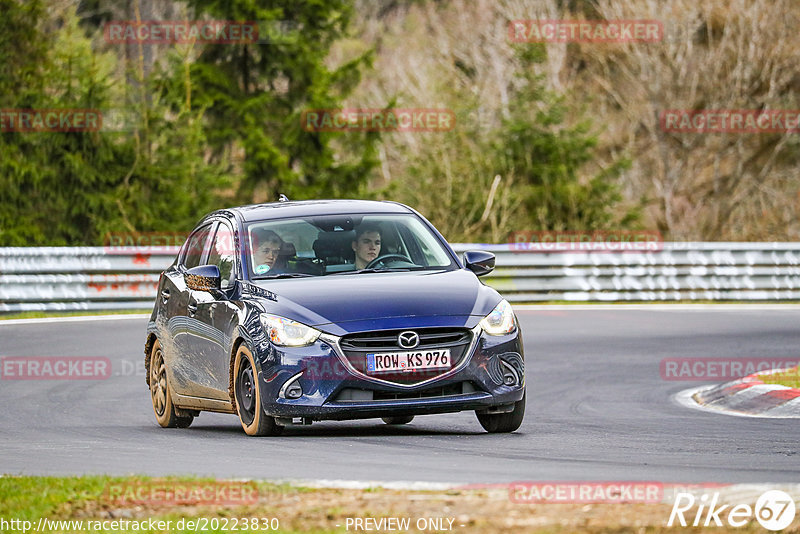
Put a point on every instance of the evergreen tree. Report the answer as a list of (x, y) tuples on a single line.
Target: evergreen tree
[(255, 95), (545, 157), (73, 188), (50, 179)]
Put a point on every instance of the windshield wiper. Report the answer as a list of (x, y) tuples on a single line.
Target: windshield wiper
[(285, 275), (390, 270)]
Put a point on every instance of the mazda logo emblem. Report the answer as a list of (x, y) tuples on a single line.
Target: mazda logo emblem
[(408, 339)]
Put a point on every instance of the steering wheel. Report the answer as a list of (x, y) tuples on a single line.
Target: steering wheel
[(385, 257)]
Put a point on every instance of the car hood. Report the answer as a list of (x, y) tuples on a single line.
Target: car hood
[(340, 304)]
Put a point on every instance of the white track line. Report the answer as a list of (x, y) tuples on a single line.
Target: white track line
[(733, 493), (367, 484), (77, 319), (730, 493)]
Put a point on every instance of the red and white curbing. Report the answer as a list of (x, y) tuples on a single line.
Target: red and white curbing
[(751, 397)]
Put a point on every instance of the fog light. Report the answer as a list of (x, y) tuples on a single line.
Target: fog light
[(510, 375), (292, 389)]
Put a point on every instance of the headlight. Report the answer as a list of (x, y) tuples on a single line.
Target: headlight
[(287, 333), (500, 321)]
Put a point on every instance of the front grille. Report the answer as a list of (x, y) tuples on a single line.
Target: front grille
[(365, 395), (459, 388), (387, 339), (357, 346)]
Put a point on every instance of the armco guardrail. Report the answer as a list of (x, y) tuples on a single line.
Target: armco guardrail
[(76, 278), (680, 271), (80, 278)]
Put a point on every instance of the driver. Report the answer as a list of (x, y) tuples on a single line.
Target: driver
[(367, 244)]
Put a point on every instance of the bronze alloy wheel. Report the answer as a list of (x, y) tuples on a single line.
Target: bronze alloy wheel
[(160, 393), (247, 395)]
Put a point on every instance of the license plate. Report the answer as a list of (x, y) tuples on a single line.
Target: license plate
[(383, 362)]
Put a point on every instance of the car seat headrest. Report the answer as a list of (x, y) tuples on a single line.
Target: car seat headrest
[(335, 247)]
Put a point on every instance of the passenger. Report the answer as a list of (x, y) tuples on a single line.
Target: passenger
[(267, 255), (367, 244)]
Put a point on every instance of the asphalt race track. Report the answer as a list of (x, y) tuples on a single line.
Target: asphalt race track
[(597, 409)]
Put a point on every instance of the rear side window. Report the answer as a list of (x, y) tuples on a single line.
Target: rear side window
[(195, 245)]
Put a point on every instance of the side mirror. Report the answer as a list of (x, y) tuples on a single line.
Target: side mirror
[(479, 262), (202, 278)]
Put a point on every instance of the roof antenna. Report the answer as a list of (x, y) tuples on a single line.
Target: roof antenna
[(283, 198)]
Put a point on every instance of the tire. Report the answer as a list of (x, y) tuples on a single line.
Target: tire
[(399, 420), (247, 396), (160, 393), (503, 422)]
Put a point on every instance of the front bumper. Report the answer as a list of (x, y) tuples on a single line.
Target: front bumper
[(333, 390)]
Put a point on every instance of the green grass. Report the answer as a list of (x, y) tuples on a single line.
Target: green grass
[(34, 497), (85, 498), (790, 378), (74, 313)]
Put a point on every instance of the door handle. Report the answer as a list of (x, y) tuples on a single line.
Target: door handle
[(213, 306), (165, 295), (192, 309)]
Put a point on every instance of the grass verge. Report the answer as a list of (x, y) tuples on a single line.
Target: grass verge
[(92, 503), (789, 378)]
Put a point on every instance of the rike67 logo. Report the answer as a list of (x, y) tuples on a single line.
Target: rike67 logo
[(774, 510)]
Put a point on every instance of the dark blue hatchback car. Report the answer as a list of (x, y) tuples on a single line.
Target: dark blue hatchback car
[(294, 312)]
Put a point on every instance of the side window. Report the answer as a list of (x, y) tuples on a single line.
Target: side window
[(223, 255), (195, 247)]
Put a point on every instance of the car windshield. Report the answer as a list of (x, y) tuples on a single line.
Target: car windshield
[(338, 245)]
